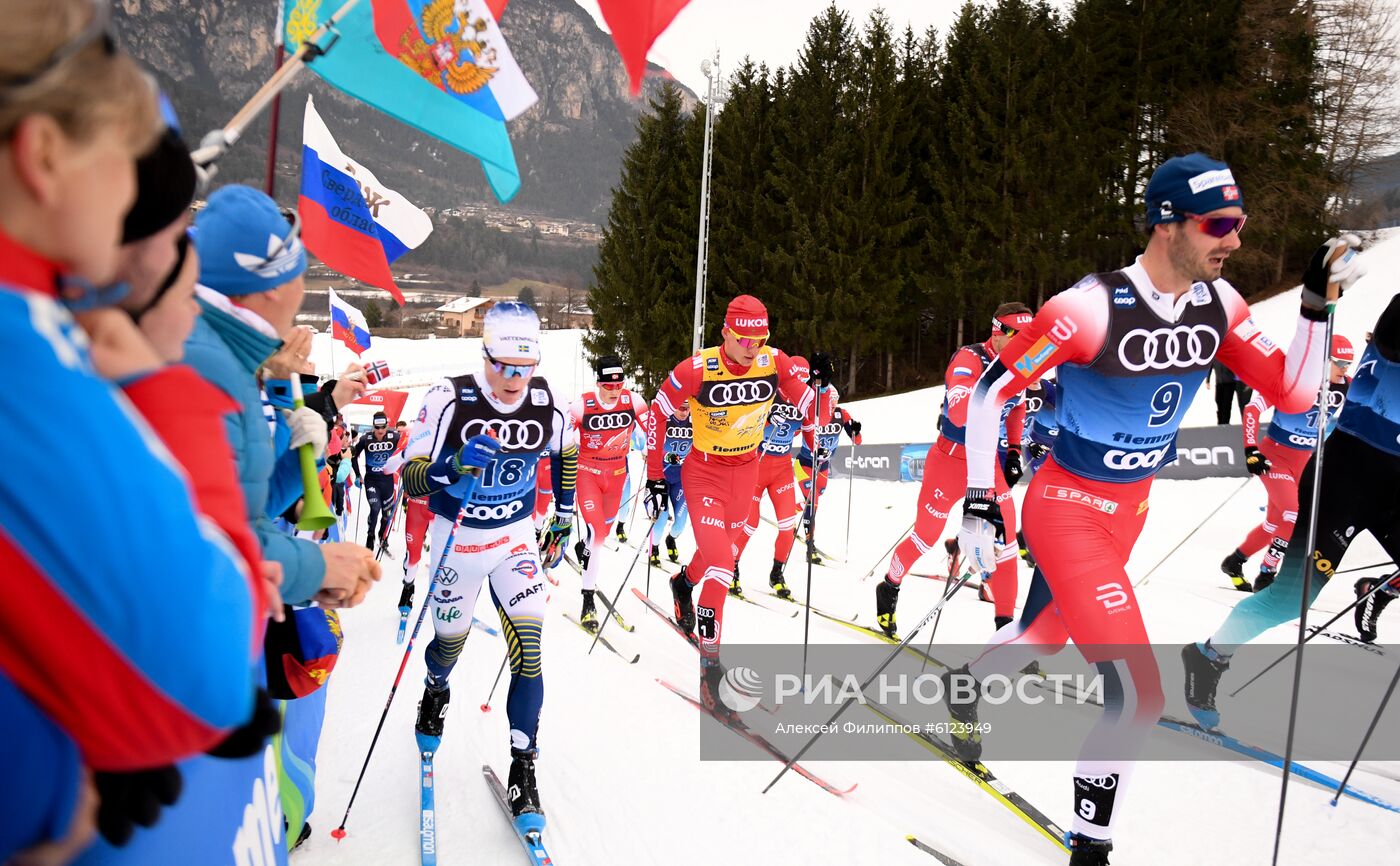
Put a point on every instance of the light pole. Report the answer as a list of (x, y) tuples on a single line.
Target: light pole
[(702, 246)]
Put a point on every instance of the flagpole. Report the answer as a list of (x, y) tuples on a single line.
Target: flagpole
[(217, 142), (279, 52), (330, 326)]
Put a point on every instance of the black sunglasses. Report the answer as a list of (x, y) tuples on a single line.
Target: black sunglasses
[(99, 28)]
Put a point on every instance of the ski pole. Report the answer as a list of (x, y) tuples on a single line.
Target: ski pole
[(1371, 729), (868, 680), (1380, 584), (901, 537), (1362, 568), (612, 608), (850, 493), (339, 832), (1315, 502), (811, 548), (1194, 531), (486, 707), (947, 586)]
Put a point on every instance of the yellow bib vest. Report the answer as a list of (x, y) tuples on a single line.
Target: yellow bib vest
[(730, 410)]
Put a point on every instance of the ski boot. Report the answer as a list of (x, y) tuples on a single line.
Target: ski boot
[(581, 553), (886, 599), (1203, 670), (967, 739), (621, 532), (734, 588), (654, 559), (681, 589), (711, 676), (775, 580), (432, 712), (1084, 851), (1233, 566), (1368, 612), (523, 793), (1266, 577), (814, 557), (671, 552), (406, 599), (301, 837), (1025, 551), (588, 617), (1001, 621)]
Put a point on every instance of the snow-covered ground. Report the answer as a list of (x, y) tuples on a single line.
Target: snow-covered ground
[(619, 770)]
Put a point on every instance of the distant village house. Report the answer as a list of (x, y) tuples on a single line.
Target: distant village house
[(464, 316)]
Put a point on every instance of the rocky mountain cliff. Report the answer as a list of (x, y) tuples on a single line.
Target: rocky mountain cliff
[(211, 55)]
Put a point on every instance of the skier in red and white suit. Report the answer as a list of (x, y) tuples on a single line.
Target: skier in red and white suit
[(603, 420), (945, 474), (1131, 348)]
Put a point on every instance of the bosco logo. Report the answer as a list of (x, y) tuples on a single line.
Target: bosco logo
[(740, 393), (1184, 347), (611, 421), (1117, 459), (512, 433)]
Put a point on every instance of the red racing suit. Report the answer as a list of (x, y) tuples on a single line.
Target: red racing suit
[(945, 478), (604, 437), (729, 408), (1129, 358)]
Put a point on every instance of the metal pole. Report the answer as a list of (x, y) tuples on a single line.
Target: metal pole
[(702, 244), (278, 54)]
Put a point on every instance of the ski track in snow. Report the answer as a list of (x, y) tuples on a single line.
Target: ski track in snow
[(619, 772)]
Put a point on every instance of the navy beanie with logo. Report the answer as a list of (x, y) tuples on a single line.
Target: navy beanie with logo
[(1194, 184)]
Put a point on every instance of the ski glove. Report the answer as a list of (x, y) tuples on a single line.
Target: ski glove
[(307, 428), (1345, 271), (248, 739), (1011, 466), (1255, 461), (1037, 451), (129, 799), (982, 529), (823, 455), (555, 540), (656, 498), (475, 453)]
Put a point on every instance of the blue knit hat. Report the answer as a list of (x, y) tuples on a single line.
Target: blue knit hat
[(1194, 184), (242, 240)]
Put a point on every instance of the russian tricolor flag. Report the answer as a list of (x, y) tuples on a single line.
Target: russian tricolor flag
[(350, 221), (348, 325)]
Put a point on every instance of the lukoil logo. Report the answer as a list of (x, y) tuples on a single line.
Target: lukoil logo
[(740, 689)]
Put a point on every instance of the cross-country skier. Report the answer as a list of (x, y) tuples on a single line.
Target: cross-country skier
[(1363, 453), (945, 472), (777, 478), (1132, 346), (417, 514), (821, 437), (496, 422), (1279, 461), (729, 389), (378, 445), (673, 437), (603, 421)]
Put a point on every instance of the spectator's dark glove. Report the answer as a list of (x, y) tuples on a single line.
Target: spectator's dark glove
[(247, 739), (129, 799)]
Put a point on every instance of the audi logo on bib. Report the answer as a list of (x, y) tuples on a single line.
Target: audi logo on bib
[(611, 421), (1117, 459), (513, 434), (676, 431), (739, 393), (786, 411), (376, 447), (1183, 347)]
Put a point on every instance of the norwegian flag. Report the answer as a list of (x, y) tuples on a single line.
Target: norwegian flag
[(377, 372)]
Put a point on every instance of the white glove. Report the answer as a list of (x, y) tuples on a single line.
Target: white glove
[(1351, 266), (307, 428), (981, 526)]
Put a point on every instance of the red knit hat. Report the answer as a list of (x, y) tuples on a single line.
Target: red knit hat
[(1342, 349), (747, 317)]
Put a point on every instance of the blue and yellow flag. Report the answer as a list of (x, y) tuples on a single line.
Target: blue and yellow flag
[(438, 65)]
